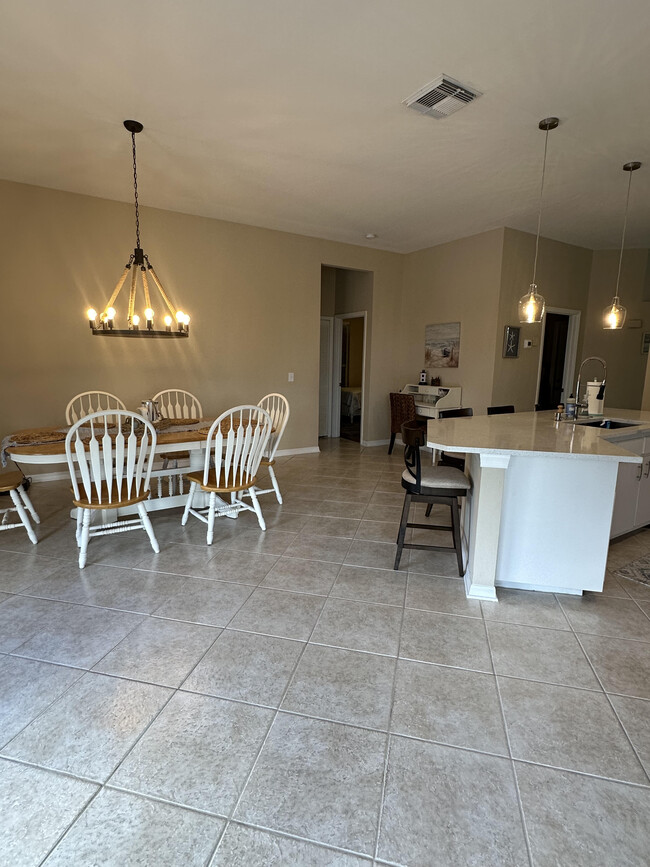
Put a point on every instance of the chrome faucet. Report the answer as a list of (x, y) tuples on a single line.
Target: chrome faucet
[(601, 390)]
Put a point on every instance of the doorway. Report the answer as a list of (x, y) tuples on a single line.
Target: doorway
[(346, 308), (559, 344)]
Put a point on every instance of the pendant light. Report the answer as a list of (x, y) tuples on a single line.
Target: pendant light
[(614, 314), (531, 305), (176, 323)]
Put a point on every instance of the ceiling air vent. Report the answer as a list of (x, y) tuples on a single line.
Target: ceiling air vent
[(441, 97)]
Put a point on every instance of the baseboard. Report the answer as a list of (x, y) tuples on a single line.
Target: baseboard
[(368, 444), (308, 450)]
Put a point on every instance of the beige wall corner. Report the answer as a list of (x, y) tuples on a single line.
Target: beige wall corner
[(454, 282), (563, 274), (626, 364)]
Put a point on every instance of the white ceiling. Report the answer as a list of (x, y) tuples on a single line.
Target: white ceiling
[(288, 113)]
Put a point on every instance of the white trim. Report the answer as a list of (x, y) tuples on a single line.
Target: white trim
[(371, 443), (307, 450), (328, 373), (336, 369), (499, 462)]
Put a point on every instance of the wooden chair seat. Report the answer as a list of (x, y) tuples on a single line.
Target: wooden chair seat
[(118, 498), (219, 485), (10, 481)]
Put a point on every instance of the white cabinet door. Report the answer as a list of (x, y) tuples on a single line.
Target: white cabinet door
[(625, 502)]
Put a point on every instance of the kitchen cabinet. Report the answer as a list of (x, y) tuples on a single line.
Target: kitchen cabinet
[(632, 499)]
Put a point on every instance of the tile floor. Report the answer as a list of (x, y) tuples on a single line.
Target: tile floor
[(285, 698)]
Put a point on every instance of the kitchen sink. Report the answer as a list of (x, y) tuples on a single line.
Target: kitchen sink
[(608, 423)]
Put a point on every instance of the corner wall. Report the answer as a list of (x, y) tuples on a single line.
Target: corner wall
[(626, 364), (455, 282), (563, 275)]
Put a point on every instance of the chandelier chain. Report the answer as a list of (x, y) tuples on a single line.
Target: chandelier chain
[(135, 190), (620, 258), (539, 210)]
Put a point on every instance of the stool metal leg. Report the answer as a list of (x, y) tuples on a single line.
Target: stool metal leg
[(402, 529)]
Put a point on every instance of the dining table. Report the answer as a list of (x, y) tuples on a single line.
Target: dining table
[(46, 447)]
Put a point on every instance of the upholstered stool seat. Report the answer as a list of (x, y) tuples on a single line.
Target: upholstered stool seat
[(442, 485)]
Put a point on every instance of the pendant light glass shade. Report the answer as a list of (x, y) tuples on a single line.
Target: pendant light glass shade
[(532, 306), (614, 314)]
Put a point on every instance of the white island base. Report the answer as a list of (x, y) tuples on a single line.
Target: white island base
[(539, 514), (538, 523)]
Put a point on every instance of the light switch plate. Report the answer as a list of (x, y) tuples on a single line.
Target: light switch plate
[(528, 344)]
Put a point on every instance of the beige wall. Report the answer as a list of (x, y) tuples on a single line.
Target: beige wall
[(626, 365), (455, 282), (563, 274), (254, 296)]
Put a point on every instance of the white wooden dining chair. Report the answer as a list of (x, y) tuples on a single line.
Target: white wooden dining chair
[(109, 456), (88, 402), (277, 407), (235, 444), (12, 484), (177, 403)]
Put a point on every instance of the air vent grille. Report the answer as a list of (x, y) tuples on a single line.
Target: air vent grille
[(441, 97)]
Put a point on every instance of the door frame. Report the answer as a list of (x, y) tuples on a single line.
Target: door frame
[(571, 352), (337, 356), (327, 370)]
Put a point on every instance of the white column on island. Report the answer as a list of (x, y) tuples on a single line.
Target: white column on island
[(488, 475)]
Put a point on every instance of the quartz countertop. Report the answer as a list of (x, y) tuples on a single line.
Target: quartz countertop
[(537, 433)]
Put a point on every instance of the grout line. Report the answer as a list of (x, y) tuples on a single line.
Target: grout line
[(384, 777), (513, 768)]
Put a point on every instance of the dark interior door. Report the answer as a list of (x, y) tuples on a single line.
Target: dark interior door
[(553, 354)]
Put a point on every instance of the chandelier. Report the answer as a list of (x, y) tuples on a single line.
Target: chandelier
[(532, 305), (176, 323)]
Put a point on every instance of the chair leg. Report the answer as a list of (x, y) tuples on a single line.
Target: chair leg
[(28, 504), (276, 487), (457, 537), (402, 530), (256, 506), (428, 511), (392, 443), (22, 514), (211, 508), (85, 535), (188, 505), (146, 523), (80, 515)]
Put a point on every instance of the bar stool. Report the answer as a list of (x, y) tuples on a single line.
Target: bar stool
[(440, 484), (12, 484)]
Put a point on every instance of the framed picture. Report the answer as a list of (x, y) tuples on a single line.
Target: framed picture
[(442, 345), (645, 343), (511, 341)]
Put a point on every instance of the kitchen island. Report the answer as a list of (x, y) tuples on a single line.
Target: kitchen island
[(540, 510)]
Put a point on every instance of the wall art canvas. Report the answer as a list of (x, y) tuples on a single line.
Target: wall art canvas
[(442, 345)]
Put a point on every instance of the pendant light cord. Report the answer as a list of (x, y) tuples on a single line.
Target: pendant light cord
[(620, 258), (539, 213), (135, 189)]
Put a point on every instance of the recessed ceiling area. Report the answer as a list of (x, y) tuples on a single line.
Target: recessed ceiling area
[(289, 115)]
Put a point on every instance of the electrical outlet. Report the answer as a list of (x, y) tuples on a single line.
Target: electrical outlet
[(291, 377)]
